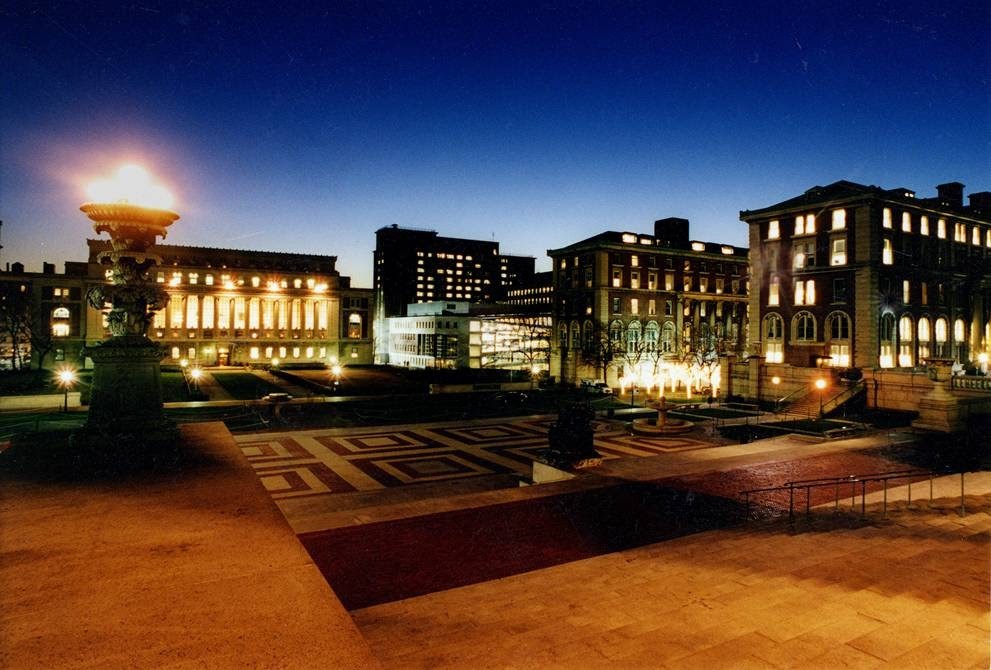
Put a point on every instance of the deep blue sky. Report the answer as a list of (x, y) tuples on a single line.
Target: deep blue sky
[(308, 127)]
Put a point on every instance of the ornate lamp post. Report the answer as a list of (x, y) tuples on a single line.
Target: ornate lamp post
[(66, 378), (126, 398)]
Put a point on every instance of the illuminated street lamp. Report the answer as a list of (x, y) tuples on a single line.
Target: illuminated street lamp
[(335, 372), (66, 379), (821, 385), (195, 374), (126, 400)]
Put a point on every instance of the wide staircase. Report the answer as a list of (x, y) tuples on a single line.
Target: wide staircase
[(896, 586)]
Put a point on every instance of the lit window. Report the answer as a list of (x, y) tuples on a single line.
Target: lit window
[(805, 225), (906, 291), (698, 246), (175, 353), (635, 279), (906, 222), (176, 279), (297, 283), (60, 329), (668, 281), (354, 326), (886, 217), (887, 253), (253, 353), (634, 260), (959, 232), (923, 225), (256, 281), (941, 228), (774, 338), (617, 278), (634, 306), (905, 348), (804, 255), (727, 251), (194, 278), (629, 238), (651, 307), (975, 237), (839, 219), (160, 277), (773, 292), (703, 284), (838, 253), (773, 230)]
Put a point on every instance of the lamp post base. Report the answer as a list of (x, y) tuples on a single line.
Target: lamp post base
[(126, 397)]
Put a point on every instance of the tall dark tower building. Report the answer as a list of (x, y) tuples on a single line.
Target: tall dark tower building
[(421, 266)]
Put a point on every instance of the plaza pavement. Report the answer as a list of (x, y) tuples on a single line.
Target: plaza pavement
[(501, 585), (909, 591)]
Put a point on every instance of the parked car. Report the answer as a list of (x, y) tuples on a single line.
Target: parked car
[(595, 387), (510, 398)]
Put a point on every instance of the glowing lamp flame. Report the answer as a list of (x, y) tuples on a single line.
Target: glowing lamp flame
[(132, 184)]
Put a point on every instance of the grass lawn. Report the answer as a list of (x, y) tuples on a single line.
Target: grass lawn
[(244, 385), (174, 387), (40, 382)]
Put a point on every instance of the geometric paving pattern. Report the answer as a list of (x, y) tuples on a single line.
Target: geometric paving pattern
[(326, 461)]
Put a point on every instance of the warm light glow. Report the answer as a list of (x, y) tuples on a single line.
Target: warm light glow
[(184, 363), (196, 373), (67, 377), (132, 184), (275, 362), (775, 380), (982, 358), (336, 371), (820, 384)]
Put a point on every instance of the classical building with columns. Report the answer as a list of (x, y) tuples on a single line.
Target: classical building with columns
[(625, 302), (233, 307), (226, 307)]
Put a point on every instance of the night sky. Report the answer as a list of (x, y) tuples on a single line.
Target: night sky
[(309, 127)]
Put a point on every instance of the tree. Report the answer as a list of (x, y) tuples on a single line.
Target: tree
[(15, 319), (601, 347), (517, 342)]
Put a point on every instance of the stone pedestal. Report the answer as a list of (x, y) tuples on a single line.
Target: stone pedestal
[(126, 398), (939, 409)]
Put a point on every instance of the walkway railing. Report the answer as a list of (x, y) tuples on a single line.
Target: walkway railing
[(838, 483), (971, 383), (843, 396)]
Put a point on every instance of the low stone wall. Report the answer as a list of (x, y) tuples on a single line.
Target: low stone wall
[(52, 401), (472, 388)]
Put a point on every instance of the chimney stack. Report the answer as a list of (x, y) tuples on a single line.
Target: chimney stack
[(981, 201), (672, 231), (950, 194)]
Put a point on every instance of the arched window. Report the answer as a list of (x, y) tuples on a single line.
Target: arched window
[(562, 335), (60, 313), (576, 335), (959, 340), (941, 333), (667, 337), (905, 347), (651, 334), (707, 339), (588, 335), (924, 337), (616, 332), (886, 349), (804, 327), (354, 326), (633, 336), (774, 334), (838, 331)]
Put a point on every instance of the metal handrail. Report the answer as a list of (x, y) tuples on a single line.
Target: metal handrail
[(839, 399), (853, 480)]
